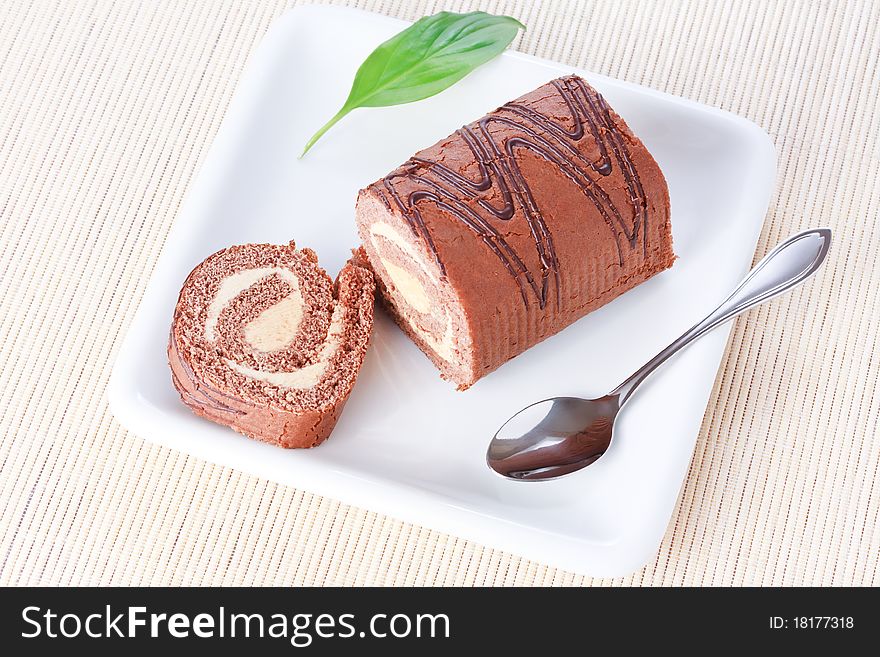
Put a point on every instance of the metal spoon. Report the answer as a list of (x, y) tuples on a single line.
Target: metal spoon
[(558, 436)]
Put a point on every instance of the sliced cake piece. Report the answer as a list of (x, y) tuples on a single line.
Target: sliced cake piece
[(515, 226), (264, 342)]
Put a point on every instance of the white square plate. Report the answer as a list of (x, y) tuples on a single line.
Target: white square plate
[(408, 444)]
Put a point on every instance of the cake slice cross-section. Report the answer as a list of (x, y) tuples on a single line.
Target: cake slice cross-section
[(515, 226), (265, 342)]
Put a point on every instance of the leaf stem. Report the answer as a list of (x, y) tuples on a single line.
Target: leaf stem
[(345, 110)]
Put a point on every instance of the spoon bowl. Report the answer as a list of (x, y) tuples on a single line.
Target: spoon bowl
[(558, 436), (553, 437)]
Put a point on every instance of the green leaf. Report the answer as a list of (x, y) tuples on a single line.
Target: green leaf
[(429, 56)]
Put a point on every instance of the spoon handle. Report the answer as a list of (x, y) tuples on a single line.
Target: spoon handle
[(789, 264)]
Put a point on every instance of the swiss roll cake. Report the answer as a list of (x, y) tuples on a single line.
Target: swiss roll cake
[(515, 226), (265, 342)]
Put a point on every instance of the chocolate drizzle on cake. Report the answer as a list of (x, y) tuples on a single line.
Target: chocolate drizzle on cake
[(499, 170), (196, 391)]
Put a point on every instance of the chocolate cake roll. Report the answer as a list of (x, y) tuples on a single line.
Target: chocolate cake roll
[(264, 342), (515, 226)]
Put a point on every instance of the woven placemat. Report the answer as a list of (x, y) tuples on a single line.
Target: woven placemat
[(106, 110)]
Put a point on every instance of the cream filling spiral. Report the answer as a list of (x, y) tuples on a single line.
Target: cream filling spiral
[(412, 291), (274, 328)]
